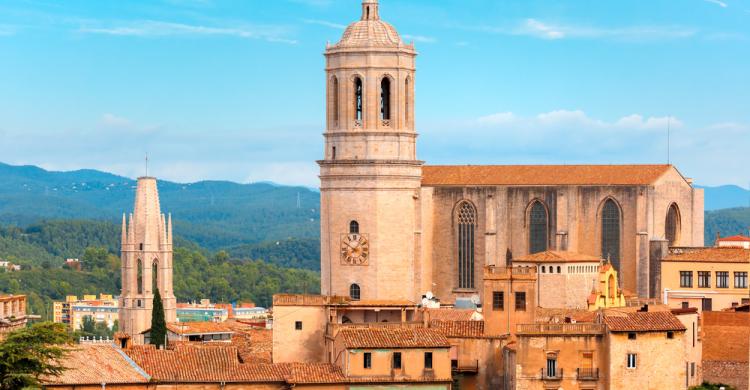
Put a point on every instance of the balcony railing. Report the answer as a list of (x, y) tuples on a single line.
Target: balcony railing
[(560, 329), (587, 374), (556, 375), (522, 272)]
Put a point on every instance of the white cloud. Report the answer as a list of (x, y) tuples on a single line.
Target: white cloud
[(555, 31), (577, 119), (325, 23), (717, 2), (111, 120), (418, 38), (6, 30), (539, 29), (501, 118), (149, 28)]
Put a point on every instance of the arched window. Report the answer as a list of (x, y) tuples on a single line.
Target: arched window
[(155, 275), (466, 220), (672, 225), (335, 92), (407, 97), (353, 227), (139, 277), (559, 270), (544, 270), (358, 99), (354, 292), (385, 99), (537, 228), (611, 233)]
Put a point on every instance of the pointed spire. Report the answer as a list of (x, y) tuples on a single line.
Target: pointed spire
[(370, 10), (124, 232), (131, 231)]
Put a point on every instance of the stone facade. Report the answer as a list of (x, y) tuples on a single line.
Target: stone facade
[(659, 361), (146, 262), (12, 313)]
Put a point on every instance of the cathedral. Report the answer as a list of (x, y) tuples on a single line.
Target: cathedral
[(394, 228)]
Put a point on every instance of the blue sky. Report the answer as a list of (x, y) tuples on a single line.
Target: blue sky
[(234, 89)]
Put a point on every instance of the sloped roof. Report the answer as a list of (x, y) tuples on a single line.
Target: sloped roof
[(557, 257), (97, 363), (188, 328), (710, 255), (659, 321), (450, 314), (392, 338), (738, 238), (529, 175), (459, 329)]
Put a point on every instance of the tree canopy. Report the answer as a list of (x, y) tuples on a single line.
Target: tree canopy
[(30, 353)]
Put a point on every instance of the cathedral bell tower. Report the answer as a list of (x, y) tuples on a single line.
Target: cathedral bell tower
[(146, 262), (370, 175)]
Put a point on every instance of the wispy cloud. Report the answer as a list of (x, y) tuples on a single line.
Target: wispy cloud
[(325, 23), (111, 120), (418, 38), (577, 119), (151, 28), (6, 30), (553, 31), (717, 2)]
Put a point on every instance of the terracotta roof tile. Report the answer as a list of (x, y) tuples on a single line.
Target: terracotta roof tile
[(709, 255), (528, 175), (186, 328), (392, 338), (726, 336), (254, 345), (642, 321), (459, 329), (738, 238), (450, 314), (97, 363), (557, 257)]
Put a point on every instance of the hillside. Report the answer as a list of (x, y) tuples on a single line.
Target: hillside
[(727, 222), (213, 214)]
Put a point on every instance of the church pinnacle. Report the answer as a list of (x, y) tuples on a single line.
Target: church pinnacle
[(370, 10)]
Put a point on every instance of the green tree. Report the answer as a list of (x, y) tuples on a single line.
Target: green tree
[(158, 324), (30, 353)]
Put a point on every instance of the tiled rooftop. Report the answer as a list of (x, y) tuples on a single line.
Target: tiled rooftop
[(459, 329), (528, 175), (709, 255), (450, 314), (557, 257), (660, 321), (726, 336), (96, 364), (735, 238), (188, 328), (392, 338)]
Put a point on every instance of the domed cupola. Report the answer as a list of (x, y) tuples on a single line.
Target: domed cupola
[(370, 31)]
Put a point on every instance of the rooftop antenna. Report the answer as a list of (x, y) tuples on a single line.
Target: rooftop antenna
[(146, 164), (669, 120)]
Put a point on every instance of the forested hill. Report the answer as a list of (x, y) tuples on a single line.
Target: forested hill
[(214, 214)]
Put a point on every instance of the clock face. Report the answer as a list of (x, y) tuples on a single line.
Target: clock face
[(355, 249)]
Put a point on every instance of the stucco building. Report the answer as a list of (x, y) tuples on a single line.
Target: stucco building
[(395, 228), (12, 313)]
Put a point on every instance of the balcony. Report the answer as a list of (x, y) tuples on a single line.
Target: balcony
[(471, 366), (587, 374), (555, 375), (495, 273), (560, 329)]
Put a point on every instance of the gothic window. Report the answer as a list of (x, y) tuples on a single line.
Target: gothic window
[(139, 278), (611, 233), (154, 275), (333, 153), (385, 99), (537, 228), (672, 225), (335, 92), (353, 227), (406, 100), (358, 99), (354, 292), (466, 220)]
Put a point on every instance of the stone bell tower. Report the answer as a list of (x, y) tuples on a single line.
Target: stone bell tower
[(370, 175), (146, 262)]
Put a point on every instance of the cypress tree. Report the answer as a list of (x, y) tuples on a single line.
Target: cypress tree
[(158, 324)]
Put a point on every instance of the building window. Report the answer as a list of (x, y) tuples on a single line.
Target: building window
[(632, 360), (520, 301), (740, 280), (551, 367), (354, 292), (358, 99), (686, 278), (367, 362), (397, 360), (670, 335), (631, 336), (704, 279), (537, 228), (559, 270), (297, 325), (672, 225), (385, 99), (611, 233), (139, 276), (745, 301), (706, 304), (466, 216), (692, 369), (685, 305), (544, 270), (722, 279), (155, 275), (353, 227), (335, 93), (498, 300), (428, 360)]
